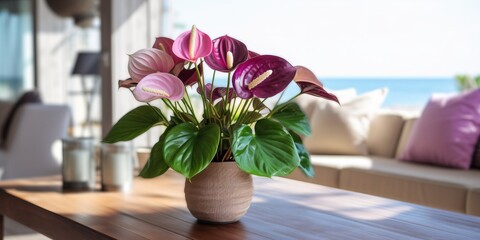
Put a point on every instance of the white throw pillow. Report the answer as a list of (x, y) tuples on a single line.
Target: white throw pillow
[(343, 129), (307, 102)]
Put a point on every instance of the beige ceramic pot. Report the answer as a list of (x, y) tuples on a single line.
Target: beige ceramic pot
[(219, 194)]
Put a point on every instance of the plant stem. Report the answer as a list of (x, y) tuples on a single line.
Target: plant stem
[(189, 101), (281, 95), (201, 85), (274, 110), (160, 114), (213, 81), (244, 110), (228, 90)]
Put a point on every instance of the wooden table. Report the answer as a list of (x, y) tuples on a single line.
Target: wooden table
[(281, 209)]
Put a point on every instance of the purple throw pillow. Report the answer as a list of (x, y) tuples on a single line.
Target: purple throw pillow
[(447, 131)]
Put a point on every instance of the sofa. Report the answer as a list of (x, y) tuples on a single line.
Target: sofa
[(380, 172), (31, 134)]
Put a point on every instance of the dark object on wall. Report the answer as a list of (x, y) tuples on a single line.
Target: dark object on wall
[(70, 8), (87, 63), (82, 11)]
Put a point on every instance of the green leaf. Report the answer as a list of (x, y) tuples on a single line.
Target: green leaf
[(134, 123), (291, 117), (156, 165), (188, 150), (305, 164), (251, 117), (258, 105), (268, 152), (188, 117)]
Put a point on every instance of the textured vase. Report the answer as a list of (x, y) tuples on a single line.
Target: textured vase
[(221, 193)]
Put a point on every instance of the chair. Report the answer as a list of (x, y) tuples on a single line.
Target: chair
[(33, 147)]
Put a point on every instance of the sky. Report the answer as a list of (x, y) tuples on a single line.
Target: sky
[(346, 38)]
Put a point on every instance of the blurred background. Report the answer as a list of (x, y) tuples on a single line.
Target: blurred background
[(74, 51)]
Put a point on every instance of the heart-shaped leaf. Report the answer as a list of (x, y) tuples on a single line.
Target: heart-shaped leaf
[(305, 163), (188, 150), (134, 123), (156, 165), (291, 117), (268, 152)]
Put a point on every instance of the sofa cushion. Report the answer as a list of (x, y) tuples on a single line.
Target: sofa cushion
[(422, 184), (447, 131), (473, 202), (384, 134), (343, 129), (324, 175)]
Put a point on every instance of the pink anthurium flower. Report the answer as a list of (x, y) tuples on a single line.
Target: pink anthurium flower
[(147, 61), (309, 84), (217, 92), (227, 53), (165, 44), (159, 85), (192, 45), (262, 76)]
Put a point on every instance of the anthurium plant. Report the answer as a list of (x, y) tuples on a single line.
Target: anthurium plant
[(235, 124)]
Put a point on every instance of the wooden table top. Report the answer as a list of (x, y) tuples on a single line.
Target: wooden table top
[(281, 209)]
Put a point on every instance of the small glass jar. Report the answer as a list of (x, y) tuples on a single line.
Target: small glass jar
[(117, 166), (78, 169)]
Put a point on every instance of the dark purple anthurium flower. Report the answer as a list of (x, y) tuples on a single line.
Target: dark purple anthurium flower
[(127, 83), (309, 84), (252, 54), (188, 76), (262, 76), (165, 44), (217, 92), (227, 53)]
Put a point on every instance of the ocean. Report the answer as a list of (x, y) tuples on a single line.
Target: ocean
[(402, 92)]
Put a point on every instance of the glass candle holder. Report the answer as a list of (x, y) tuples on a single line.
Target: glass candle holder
[(116, 166), (78, 169)]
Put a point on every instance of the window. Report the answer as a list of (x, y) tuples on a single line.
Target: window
[(16, 47)]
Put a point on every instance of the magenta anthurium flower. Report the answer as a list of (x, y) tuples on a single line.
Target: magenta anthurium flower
[(217, 92), (192, 45), (165, 44), (309, 84), (227, 53), (147, 61), (159, 85), (262, 76)]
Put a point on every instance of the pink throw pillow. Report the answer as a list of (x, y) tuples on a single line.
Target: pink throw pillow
[(447, 131)]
